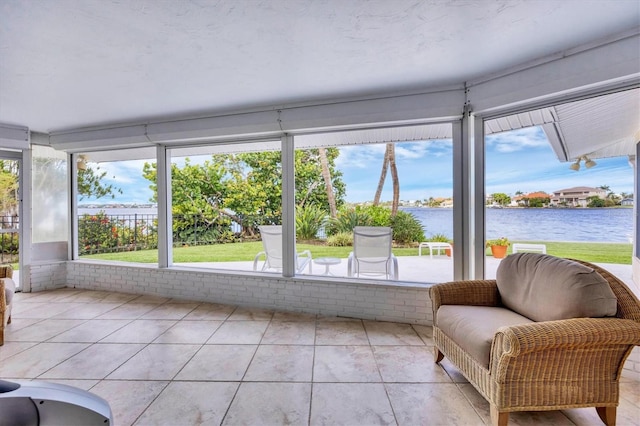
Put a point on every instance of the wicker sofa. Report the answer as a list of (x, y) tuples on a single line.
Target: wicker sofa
[(7, 289), (547, 357)]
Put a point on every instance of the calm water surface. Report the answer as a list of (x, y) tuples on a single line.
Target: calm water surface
[(596, 224)]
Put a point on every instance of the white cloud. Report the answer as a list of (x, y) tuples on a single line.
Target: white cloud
[(127, 176), (517, 140), (122, 172), (360, 156), (365, 156)]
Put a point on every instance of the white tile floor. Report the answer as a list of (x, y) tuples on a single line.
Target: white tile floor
[(164, 362)]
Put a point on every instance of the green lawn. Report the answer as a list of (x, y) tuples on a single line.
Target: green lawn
[(591, 252)]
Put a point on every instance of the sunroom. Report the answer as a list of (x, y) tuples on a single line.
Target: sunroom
[(159, 82), (584, 98)]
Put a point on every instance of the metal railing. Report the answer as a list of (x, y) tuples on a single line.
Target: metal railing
[(105, 233), (9, 239)]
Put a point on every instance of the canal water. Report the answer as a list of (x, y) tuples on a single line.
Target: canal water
[(534, 224), (586, 224)]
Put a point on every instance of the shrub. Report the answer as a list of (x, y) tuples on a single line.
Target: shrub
[(380, 215), (439, 238), (102, 233), (309, 220), (341, 239), (406, 228), (96, 233), (347, 220), (194, 229)]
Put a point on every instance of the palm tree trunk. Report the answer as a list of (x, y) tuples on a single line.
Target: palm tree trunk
[(383, 176), (326, 175), (394, 178)]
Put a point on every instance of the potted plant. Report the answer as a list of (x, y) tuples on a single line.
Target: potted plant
[(499, 247)]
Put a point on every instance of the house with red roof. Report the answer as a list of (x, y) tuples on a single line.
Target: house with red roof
[(533, 199)]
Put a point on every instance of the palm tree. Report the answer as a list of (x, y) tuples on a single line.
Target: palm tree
[(389, 161), (383, 176), (326, 175), (605, 188), (394, 179)]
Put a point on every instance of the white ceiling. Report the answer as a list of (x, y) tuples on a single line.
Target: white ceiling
[(76, 63)]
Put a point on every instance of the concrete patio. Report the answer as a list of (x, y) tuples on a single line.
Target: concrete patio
[(421, 269)]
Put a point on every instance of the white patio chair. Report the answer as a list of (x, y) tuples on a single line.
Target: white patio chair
[(371, 253), (272, 244)]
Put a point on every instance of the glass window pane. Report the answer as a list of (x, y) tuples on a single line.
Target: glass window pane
[(50, 195), (397, 178), (221, 196), (117, 206), (563, 187)]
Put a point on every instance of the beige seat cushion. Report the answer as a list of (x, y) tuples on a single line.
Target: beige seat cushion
[(9, 289), (547, 288), (473, 327)]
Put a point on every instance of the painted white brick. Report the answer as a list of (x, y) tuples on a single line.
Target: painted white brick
[(359, 300)]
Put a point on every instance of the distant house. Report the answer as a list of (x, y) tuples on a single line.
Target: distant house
[(446, 202), (626, 202), (532, 198), (576, 196)]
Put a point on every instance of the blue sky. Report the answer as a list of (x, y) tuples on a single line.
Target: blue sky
[(515, 161)]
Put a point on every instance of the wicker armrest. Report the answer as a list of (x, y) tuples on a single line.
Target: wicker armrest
[(3, 299), (539, 351), (571, 333), (469, 292), (6, 271)]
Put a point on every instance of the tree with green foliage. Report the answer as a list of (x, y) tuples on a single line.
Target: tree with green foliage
[(624, 195), (501, 198), (595, 201), (91, 184), (197, 200), (309, 180), (247, 188), (538, 202), (9, 198), (432, 202)]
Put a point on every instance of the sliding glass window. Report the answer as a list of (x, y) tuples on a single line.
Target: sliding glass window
[(226, 205), (560, 180), (116, 200), (376, 203)]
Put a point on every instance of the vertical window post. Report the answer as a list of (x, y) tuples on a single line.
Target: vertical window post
[(288, 206), (165, 235)]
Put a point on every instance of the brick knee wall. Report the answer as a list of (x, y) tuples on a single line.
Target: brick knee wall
[(375, 301)]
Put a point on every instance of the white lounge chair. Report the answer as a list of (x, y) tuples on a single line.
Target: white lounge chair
[(272, 244), (371, 253)]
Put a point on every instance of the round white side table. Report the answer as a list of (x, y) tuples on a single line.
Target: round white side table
[(327, 262)]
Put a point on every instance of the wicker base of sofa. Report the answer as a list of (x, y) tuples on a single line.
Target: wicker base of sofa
[(545, 394)]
